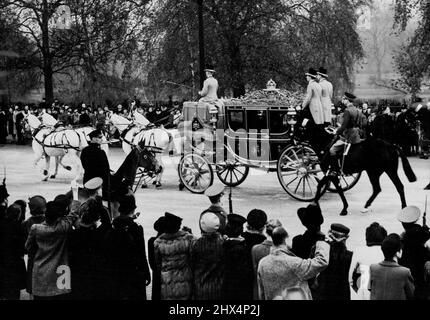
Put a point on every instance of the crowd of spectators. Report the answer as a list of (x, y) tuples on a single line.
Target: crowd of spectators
[(76, 252), (13, 130)]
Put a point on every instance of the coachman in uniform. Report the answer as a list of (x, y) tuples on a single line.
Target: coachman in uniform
[(95, 162)]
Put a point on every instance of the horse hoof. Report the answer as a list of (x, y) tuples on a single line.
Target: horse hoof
[(52, 177), (144, 186), (154, 183), (366, 210), (158, 185), (68, 168), (344, 212), (181, 187), (46, 179), (45, 172)]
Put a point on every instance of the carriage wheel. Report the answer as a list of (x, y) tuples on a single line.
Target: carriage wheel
[(232, 174), (347, 182), (195, 173), (299, 172)]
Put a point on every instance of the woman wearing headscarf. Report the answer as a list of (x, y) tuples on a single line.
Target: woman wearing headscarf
[(207, 256)]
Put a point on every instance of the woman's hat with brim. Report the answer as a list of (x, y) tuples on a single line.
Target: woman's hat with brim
[(95, 133), (127, 204), (171, 220), (312, 73), (311, 215)]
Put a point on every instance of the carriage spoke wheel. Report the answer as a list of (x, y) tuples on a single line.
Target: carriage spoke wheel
[(195, 173), (347, 182), (299, 172), (232, 174)]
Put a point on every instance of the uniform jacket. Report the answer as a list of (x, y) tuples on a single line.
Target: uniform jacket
[(349, 128), (282, 269), (95, 163), (390, 281), (424, 117), (48, 244), (326, 98), (313, 101), (207, 258), (173, 259), (209, 91)]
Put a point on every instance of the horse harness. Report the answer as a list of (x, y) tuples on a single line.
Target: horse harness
[(52, 135)]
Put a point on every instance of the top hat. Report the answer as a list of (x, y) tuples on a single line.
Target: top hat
[(209, 68), (311, 73), (349, 96), (170, 217), (323, 72)]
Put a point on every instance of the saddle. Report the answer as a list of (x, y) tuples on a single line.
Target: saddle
[(351, 160)]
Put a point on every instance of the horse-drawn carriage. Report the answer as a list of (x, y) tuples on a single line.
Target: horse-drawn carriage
[(260, 131)]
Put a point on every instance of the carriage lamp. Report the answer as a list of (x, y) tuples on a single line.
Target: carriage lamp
[(291, 116), (213, 111)]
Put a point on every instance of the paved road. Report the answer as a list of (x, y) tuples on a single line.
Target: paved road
[(260, 190)]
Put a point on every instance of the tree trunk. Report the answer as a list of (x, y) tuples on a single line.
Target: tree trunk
[(201, 43), (47, 59)]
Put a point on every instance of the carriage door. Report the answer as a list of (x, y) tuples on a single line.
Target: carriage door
[(258, 134)]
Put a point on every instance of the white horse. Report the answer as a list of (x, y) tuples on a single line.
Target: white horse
[(51, 142), (134, 132)]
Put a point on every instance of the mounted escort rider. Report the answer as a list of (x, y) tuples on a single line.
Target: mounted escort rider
[(350, 131)]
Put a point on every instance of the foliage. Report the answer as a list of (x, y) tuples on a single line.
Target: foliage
[(413, 60), (252, 41)]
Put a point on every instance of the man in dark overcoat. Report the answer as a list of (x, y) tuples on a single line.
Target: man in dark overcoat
[(95, 162)]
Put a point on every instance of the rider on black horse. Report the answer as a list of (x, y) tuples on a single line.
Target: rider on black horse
[(350, 132)]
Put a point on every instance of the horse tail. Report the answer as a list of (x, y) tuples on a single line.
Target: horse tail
[(406, 165)]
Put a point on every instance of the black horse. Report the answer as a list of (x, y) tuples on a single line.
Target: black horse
[(122, 181), (375, 156)]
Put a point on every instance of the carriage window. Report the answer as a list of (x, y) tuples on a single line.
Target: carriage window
[(257, 119), (278, 121), (236, 120)]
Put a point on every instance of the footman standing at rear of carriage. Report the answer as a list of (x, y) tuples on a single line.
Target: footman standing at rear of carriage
[(95, 162), (326, 95), (313, 108)]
